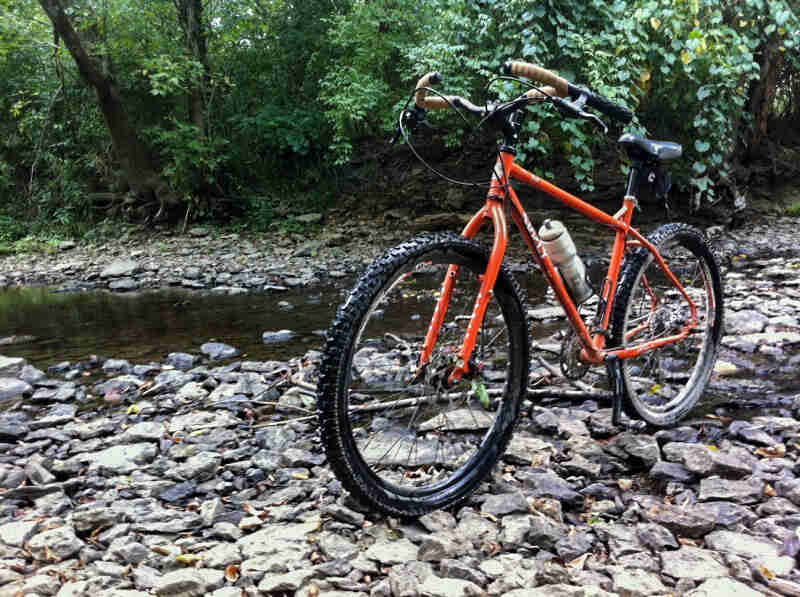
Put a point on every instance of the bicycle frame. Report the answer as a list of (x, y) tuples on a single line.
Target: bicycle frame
[(501, 196)]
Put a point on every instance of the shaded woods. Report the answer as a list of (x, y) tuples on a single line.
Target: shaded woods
[(194, 109)]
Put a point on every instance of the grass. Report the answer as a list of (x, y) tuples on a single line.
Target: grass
[(793, 209)]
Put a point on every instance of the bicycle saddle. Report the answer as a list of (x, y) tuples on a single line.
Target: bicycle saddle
[(647, 149)]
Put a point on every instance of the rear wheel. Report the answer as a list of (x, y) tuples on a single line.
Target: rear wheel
[(663, 385), (408, 443)]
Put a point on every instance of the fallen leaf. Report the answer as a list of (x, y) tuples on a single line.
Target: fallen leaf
[(769, 491), (776, 451), (232, 573), (188, 559), (578, 562), (687, 541)]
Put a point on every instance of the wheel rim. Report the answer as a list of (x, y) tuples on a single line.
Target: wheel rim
[(665, 379), (416, 437)]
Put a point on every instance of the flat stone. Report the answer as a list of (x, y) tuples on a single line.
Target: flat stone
[(655, 536), (178, 492), (17, 533), (123, 284), (143, 432), (11, 387), (723, 587), (11, 366), (724, 514), (671, 471), (550, 485), (119, 268), (122, 460), (642, 447), (448, 587), (505, 503), (12, 432), (55, 545), (58, 415), (636, 583), (704, 460), (278, 538), (190, 582), (748, 491), (278, 336), (218, 351), (390, 553), (692, 563), (290, 581), (681, 521), (743, 545)]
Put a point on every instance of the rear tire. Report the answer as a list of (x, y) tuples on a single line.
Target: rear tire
[(663, 385), (409, 446)]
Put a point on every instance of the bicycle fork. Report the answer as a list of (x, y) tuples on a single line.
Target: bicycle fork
[(493, 210)]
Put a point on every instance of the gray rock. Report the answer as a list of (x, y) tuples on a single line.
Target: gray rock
[(41, 584), (122, 460), (295, 457), (704, 461), (210, 510), (334, 546), (636, 583), (515, 530), (642, 447), (681, 521), (505, 503), (722, 587), (222, 555), (54, 545), (199, 581), (178, 492), (671, 471), (655, 536), (30, 374), (546, 532), (289, 581), (36, 472), (226, 530), (58, 415), (692, 563), (11, 387), (91, 517), (276, 337), (120, 268), (749, 432), (11, 432), (201, 466), (288, 539), (17, 533), (11, 366), (550, 485), (457, 569), (346, 515), (218, 351), (448, 587), (143, 432), (574, 545), (123, 284), (526, 450), (724, 514), (748, 491), (740, 544), (390, 553), (182, 360)]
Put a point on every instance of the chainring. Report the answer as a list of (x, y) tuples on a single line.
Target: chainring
[(570, 358)]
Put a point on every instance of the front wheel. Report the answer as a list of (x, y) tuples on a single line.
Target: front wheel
[(407, 442), (663, 385)]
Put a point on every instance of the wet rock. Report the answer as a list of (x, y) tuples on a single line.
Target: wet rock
[(55, 545), (747, 491), (506, 503), (120, 268), (218, 351), (11, 366), (181, 360), (276, 337), (692, 563), (11, 387)]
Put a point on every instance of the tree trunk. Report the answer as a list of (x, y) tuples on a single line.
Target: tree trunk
[(190, 15), (136, 161), (762, 96)]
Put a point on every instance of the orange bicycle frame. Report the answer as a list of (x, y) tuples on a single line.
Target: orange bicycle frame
[(502, 196)]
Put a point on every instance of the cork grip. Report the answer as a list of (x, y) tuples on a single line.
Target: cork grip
[(534, 95), (426, 81), (537, 73)]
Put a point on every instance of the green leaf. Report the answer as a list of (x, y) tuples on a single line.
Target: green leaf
[(480, 389), (703, 92), (702, 146)]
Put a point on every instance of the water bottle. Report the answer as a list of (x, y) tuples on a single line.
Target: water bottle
[(561, 249)]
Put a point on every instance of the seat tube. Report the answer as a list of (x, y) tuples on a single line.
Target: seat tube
[(497, 213)]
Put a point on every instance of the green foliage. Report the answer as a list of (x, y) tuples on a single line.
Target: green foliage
[(793, 210), (289, 96)]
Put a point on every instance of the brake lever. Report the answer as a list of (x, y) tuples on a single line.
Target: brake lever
[(595, 119)]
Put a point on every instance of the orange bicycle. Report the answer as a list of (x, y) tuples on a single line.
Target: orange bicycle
[(427, 362)]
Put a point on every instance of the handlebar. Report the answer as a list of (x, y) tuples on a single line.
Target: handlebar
[(565, 88)]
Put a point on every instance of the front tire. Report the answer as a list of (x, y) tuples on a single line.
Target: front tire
[(404, 444), (663, 385)]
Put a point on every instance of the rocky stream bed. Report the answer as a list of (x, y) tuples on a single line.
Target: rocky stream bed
[(202, 474)]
